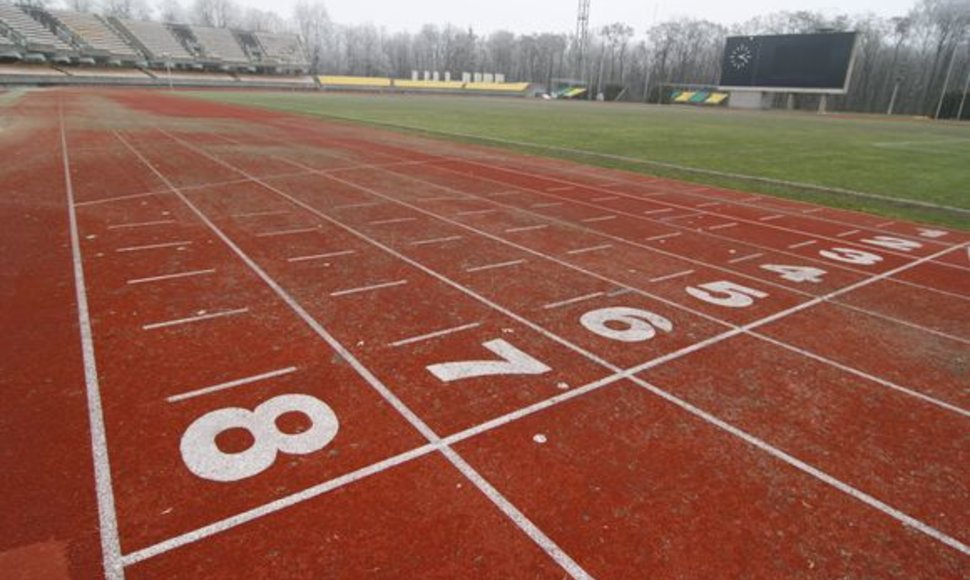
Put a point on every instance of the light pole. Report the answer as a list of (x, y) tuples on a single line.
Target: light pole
[(168, 68)]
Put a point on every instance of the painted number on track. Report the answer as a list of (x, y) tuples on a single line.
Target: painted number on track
[(637, 325), (892, 243), (514, 362), (724, 293), (796, 273), (203, 457), (851, 256)]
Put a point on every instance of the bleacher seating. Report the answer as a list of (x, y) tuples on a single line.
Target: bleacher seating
[(96, 34), (352, 82), (9, 48), (156, 40), (220, 44), (30, 32), (282, 49)]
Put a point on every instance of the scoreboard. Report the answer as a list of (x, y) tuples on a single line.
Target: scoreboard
[(818, 62)]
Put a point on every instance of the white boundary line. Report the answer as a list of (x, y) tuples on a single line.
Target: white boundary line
[(722, 226), (187, 320), (662, 237), (527, 228), (435, 240), (140, 224), (107, 515), (288, 232), (671, 276), (589, 249), (630, 373), (163, 277), (803, 244), (230, 384), (494, 266), (321, 256), (153, 246), (368, 288), (569, 301), (435, 334)]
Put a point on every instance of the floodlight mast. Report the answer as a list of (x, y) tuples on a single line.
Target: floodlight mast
[(582, 37)]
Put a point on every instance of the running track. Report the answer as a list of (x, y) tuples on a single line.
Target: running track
[(242, 343)]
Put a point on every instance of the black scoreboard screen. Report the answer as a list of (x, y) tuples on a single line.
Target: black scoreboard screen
[(818, 62)]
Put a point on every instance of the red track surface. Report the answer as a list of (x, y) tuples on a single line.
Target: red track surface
[(250, 322)]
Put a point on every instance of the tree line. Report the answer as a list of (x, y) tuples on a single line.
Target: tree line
[(902, 61)]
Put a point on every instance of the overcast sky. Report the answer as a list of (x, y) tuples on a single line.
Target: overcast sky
[(560, 15)]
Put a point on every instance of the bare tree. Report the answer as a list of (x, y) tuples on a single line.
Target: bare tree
[(216, 13)]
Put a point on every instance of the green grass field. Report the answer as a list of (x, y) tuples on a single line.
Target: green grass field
[(901, 158)]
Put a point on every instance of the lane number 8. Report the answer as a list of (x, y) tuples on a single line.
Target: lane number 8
[(204, 458)]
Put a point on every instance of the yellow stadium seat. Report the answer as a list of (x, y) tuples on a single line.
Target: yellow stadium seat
[(340, 81)]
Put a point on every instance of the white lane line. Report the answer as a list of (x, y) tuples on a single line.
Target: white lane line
[(619, 292), (197, 318), (662, 237), (140, 224), (672, 276), (606, 198), (769, 218), (526, 228), (230, 384), (583, 298), (560, 188), (321, 256), (601, 218), (864, 375), (393, 221), (546, 204), (681, 216), (444, 198), (274, 506), (656, 211), (435, 240), (709, 204), (723, 226), (504, 193), (848, 233), (122, 198), (357, 205), (814, 210), (589, 249), (744, 258), (884, 224), (260, 213), (476, 212), (153, 246), (369, 288), (288, 232), (802, 244), (107, 516), (435, 334), (494, 266), (188, 274)]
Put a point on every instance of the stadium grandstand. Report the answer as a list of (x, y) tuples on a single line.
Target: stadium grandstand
[(59, 46), (220, 45), (36, 42), (96, 38), (283, 50), (157, 42)]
